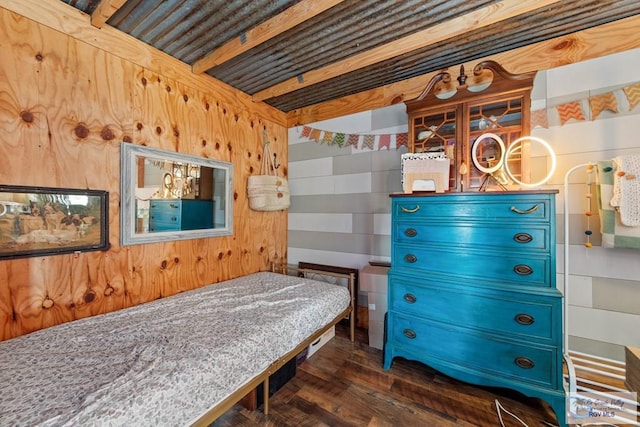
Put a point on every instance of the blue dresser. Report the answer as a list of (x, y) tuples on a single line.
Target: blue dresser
[(180, 214), (472, 290)]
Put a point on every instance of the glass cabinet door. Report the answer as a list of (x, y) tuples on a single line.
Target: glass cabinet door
[(436, 133), (491, 100)]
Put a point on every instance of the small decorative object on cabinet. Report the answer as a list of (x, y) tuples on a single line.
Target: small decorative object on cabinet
[(447, 117), (472, 290)]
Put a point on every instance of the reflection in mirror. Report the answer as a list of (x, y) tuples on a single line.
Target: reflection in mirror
[(173, 196)]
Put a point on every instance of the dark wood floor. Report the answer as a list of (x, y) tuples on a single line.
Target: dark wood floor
[(343, 384)]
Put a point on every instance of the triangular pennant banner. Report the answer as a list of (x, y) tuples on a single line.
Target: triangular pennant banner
[(402, 139), (328, 137), (368, 141), (570, 110), (633, 95), (385, 141), (315, 134), (306, 131), (599, 103), (353, 140), (339, 139), (539, 118)]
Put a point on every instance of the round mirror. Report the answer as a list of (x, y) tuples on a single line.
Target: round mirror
[(488, 153), (530, 161)]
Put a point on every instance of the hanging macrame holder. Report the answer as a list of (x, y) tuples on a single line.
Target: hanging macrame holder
[(268, 191)]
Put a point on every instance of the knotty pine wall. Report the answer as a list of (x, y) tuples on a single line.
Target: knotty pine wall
[(65, 108)]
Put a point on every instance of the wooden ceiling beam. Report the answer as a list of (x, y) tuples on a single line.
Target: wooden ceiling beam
[(486, 16), (104, 11), (291, 17), (607, 39)]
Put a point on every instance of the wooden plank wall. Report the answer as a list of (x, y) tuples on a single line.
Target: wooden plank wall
[(65, 107)]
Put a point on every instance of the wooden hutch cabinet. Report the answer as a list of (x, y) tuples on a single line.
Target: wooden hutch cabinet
[(451, 113), (472, 285)]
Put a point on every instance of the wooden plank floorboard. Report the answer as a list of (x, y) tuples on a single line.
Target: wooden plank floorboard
[(343, 384)]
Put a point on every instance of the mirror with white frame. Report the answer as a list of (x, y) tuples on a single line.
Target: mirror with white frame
[(173, 196)]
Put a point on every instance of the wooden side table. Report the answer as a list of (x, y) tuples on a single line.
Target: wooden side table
[(632, 369)]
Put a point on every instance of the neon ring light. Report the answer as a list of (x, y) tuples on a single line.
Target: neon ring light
[(474, 152), (546, 145)]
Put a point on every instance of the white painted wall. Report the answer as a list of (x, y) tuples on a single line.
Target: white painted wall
[(602, 282), (600, 327)]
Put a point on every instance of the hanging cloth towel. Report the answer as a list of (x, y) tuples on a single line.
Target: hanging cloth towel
[(626, 189)]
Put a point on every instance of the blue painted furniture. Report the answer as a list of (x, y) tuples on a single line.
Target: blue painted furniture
[(472, 290), (180, 214)]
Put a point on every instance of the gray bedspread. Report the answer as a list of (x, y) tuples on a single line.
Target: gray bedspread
[(163, 363)]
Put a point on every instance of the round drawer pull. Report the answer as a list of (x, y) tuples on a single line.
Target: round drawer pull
[(409, 334), (524, 319), (414, 210), (523, 237), (524, 362), (523, 269), (410, 258), (411, 232), (410, 298)]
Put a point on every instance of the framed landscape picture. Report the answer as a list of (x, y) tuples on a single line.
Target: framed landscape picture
[(37, 221)]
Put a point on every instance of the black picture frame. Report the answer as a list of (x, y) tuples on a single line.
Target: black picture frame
[(37, 221)]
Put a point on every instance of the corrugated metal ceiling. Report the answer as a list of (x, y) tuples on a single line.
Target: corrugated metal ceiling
[(190, 29)]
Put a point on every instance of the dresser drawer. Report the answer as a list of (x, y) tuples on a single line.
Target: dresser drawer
[(163, 226), (166, 206), (512, 267), (509, 314), (510, 236), (165, 216), (480, 352), (475, 206), (165, 211)]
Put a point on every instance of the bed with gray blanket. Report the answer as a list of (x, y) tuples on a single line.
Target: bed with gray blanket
[(180, 360)]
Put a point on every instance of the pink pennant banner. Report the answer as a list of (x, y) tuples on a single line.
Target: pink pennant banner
[(539, 118), (385, 141)]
